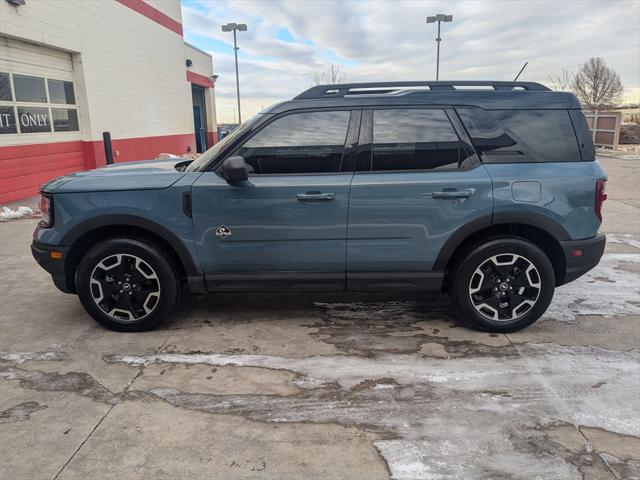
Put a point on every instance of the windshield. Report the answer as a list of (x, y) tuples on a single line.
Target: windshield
[(204, 159)]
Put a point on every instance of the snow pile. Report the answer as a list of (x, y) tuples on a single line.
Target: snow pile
[(8, 214)]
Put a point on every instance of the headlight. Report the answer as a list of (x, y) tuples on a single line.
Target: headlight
[(46, 207)]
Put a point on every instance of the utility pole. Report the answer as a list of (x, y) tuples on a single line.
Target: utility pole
[(234, 27), (440, 17)]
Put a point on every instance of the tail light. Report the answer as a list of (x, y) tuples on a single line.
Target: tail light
[(46, 208), (601, 196)]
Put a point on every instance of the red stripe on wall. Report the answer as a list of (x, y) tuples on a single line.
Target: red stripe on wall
[(198, 79), (153, 14), (143, 148), (212, 138), (24, 168)]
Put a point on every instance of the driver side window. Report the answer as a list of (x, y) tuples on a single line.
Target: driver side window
[(309, 142)]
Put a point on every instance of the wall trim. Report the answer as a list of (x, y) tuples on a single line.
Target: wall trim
[(153, 14), (198, 79), (24, 168)]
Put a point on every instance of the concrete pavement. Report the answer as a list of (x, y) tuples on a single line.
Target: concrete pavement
[(326, 386)]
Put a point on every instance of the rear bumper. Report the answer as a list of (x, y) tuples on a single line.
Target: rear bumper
[(56, 267), (592, 250)]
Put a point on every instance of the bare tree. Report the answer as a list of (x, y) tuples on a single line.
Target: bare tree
[(597, 86), (563, 82), (333, 74)]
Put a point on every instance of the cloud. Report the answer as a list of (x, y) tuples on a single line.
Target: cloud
[(389, 40)]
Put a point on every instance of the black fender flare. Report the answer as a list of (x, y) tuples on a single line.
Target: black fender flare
[(115, 220), (539, 221)]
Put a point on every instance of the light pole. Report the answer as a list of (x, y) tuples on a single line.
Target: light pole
[(440, 17), (233, 27)]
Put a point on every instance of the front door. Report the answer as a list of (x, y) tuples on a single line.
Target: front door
[(418, 183), (199, 117), (286, 226)]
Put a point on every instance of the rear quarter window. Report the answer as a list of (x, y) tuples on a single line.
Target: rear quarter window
[(509, 136)]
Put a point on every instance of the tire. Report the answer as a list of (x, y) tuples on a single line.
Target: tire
[(502, 285), (127, 285)]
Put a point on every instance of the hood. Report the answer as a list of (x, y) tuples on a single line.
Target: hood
[(141, 175)]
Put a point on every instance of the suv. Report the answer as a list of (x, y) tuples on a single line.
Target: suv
[(486, 190)]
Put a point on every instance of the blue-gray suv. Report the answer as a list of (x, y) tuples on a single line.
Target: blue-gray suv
[(486, 190)]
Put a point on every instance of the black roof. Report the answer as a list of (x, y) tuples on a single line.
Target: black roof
[(491, 95)]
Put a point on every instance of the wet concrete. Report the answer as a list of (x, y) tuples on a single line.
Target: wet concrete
[(20, 412), (326, 385)]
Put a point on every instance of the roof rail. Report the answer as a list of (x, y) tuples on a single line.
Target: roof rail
[(385, 88)]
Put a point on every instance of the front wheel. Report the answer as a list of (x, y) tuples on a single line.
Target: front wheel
[(502, 285), (127, 285)]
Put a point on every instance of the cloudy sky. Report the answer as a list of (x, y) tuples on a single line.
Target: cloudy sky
[(289, 41)]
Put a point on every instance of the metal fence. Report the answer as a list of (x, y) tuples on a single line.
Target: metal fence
[(605, 127)]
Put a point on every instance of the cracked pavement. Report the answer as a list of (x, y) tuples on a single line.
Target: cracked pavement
[(326, 385)]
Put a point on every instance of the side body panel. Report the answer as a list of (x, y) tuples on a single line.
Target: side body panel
[(396, 225), (563, 192), (273, 234), (160, 211)]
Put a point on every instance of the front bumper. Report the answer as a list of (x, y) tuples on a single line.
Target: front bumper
[(592, 250), (56, 267)]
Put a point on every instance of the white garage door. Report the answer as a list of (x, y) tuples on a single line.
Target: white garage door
[(38, 101), (28, 59)]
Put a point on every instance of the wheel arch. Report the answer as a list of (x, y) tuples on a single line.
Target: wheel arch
[(543, 232), (85, 235)]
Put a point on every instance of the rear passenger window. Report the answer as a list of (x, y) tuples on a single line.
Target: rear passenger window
[(521, 135), (408, 139), (311, 142)]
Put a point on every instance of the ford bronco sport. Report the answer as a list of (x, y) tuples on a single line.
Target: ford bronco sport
[(486, 190)]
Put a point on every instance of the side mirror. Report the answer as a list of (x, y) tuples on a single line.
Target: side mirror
[(235, 169)]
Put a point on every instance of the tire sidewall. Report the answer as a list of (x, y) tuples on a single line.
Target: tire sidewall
[(479, 255), (167, 277)]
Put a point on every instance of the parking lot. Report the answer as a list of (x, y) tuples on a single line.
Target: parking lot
[(326, 385)]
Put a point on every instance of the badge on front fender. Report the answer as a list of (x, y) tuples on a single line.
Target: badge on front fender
[(223, 232)]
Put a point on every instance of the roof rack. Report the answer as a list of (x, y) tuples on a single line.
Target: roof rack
[(391, 88)]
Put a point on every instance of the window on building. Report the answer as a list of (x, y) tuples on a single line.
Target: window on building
[(415, 139), (20, 116), (521, 135), (64, 119), (29, 89), (8, 120), (34, 119), (311, 142), (5, 87), (61, 92)]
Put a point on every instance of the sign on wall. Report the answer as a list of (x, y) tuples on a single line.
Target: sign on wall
[(34, 119), (8, 120)]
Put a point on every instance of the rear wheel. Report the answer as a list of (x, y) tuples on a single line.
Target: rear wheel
[(127, 285), (502, 285)]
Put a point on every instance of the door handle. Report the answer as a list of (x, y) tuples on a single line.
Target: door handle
[(452, 194), (314, 197)]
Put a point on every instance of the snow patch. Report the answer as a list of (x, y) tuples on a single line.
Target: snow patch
[(16, 358), (606, 290), (8, 214), (623, 238), (565, 394), (491, 411)]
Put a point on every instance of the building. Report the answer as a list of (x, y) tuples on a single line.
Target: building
[(72, 70)]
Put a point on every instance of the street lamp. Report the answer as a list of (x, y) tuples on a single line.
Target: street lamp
[(233, 27), (440, 17)]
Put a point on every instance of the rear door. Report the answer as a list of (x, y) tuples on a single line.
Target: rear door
[(285, 227), (417, 183)]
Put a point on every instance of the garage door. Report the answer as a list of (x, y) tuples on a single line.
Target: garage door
[(30, 59), (39, 118)]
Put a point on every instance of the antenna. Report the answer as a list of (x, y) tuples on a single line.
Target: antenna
[(521, 70)]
